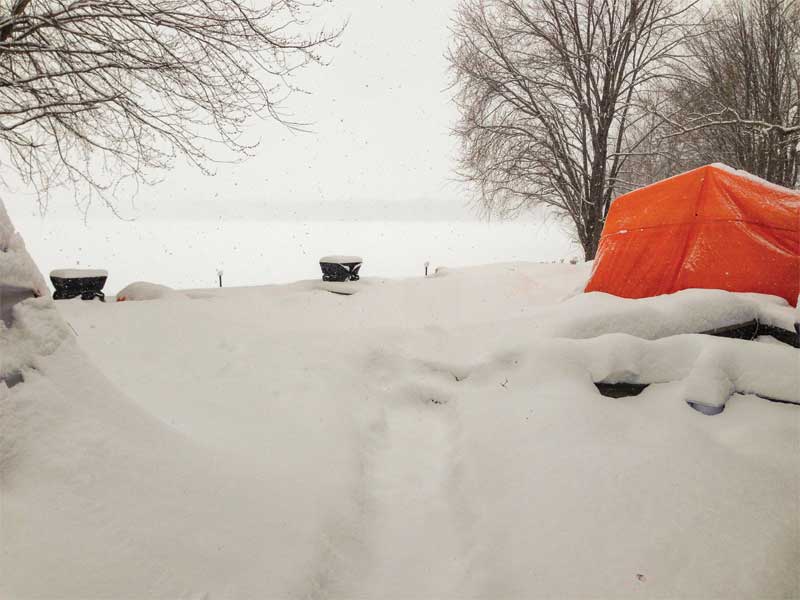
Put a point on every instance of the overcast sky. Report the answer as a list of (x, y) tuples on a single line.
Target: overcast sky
[(381, 147)]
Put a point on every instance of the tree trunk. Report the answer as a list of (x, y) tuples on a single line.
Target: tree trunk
[(591, 245)]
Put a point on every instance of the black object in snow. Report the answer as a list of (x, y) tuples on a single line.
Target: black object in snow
[(87, 288), (339, 271), (620, 390), (752, 329)]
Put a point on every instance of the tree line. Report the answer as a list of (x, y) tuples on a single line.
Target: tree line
[(568, 103)]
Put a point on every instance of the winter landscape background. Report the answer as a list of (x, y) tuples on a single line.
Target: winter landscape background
[(187, 253), (451, 436), (373, 175)]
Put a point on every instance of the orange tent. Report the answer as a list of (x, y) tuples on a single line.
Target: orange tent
[(712, 227)]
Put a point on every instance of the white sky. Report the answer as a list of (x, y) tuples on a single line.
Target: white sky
[(381, 147)]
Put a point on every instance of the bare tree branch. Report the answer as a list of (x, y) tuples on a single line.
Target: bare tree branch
[(550, 95), (739, 100), (97, 92)]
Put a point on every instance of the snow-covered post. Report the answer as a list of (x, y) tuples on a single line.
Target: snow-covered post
[(219, 276)]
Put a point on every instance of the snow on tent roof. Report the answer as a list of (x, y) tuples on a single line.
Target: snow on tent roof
[(713, 228)]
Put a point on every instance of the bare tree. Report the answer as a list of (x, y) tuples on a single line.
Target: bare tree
[(549, 92), (740, 103), (98, 93)]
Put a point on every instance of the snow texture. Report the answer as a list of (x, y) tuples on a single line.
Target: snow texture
[(431, 437), (756, 178), (340, 260), (78, 273), (35, 329), (16, 267), (143, 290)]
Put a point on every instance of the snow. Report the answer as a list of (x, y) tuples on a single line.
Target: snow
[(340, 259), (426, 437), (16, 267), (755, 178), (78, 273), (144, 290), (185, 253)]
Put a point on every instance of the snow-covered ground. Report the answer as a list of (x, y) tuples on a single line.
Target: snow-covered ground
[(186, 253), (433, 437)]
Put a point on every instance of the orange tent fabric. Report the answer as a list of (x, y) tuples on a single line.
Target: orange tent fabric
[(712, 227)]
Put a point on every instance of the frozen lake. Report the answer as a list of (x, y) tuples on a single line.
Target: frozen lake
[(186, 254)]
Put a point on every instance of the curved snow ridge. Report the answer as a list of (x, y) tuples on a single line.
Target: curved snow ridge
[(711, 368), (144, 290), (688, 311)]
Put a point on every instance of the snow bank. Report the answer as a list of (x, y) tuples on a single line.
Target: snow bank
[(711, 368), (35, 329), (16, 267), (431, 437), (142, 290), (101, 499), (687, 311)]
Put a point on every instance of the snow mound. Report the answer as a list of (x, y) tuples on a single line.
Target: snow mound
[(100, 499), (686, 311), (16, 266), (143, 290), (36, 329)]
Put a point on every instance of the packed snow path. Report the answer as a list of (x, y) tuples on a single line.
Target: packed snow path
[(411, 499), (436, 437)]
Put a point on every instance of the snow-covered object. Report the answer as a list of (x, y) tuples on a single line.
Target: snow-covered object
[(340, 259), (710, 368), (712, 228), (143, 290), (687, 311), (78, 273)]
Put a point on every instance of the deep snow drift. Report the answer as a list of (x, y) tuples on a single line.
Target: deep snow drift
[(431, 437)]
